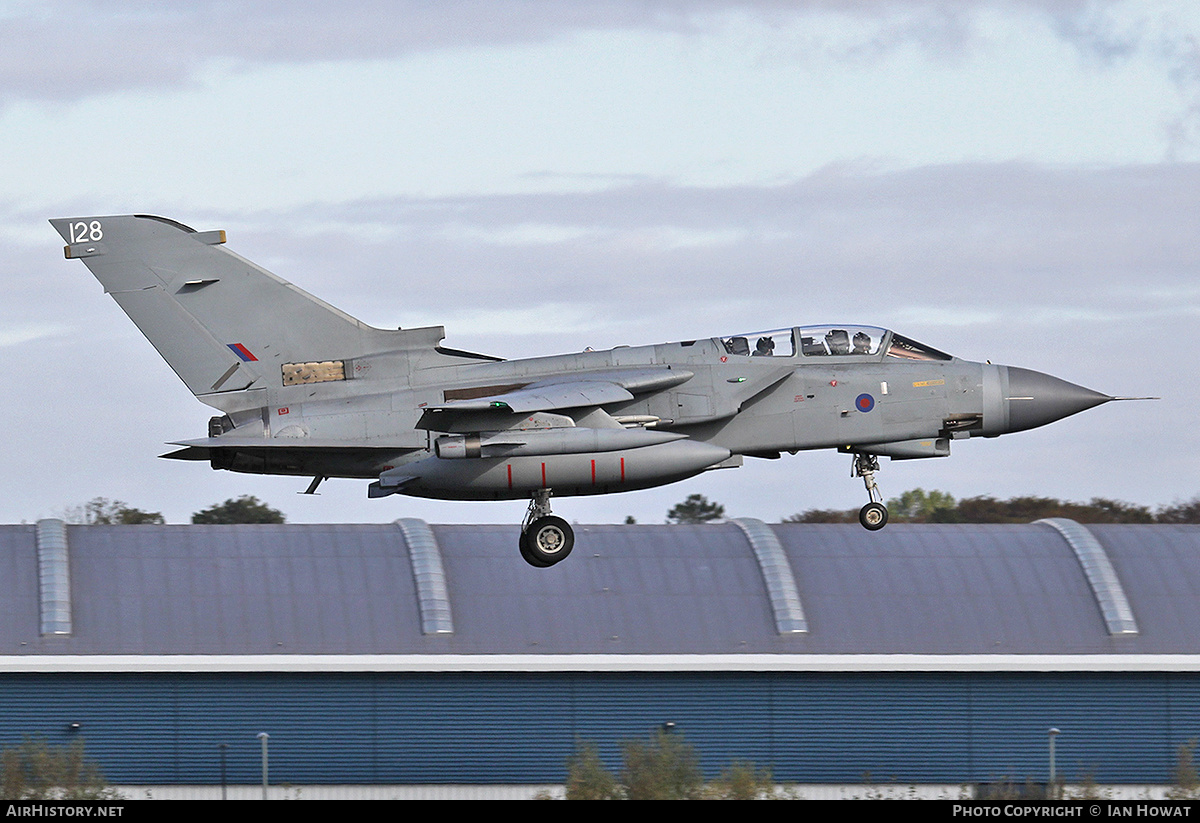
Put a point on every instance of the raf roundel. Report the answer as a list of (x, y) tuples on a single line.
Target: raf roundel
[(864, 402)]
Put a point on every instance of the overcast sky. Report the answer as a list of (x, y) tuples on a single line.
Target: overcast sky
[(1013, 181)]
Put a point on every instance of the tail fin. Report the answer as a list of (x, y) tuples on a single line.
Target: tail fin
[(221, 322)]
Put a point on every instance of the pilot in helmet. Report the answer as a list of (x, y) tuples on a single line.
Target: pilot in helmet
[(765, 347)]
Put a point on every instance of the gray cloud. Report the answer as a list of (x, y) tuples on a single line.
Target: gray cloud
[(70, 49)]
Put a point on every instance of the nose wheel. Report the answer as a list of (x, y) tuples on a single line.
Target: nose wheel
[(874, 515), (545, 538)]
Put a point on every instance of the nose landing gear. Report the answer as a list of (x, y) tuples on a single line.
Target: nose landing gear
[(545, 538), (874, 515)]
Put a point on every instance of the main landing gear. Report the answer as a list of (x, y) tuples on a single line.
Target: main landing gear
[(545, 539), (874, 515)]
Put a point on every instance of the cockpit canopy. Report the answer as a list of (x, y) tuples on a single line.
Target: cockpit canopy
[(777, 343), (830, 341), (822, 341)]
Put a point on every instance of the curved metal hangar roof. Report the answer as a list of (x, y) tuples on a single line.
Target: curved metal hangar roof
[(739, 594)]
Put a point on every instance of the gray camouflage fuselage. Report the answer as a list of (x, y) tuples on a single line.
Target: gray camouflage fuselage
[(721, 406)]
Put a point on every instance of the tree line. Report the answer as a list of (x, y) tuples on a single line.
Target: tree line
[(100, 511), (913, 506), (920, 506)]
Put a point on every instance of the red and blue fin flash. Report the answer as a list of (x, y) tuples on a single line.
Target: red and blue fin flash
[(242, 352)]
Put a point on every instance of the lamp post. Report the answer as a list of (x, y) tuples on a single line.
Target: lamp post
[(1051, 788), (264, 737)]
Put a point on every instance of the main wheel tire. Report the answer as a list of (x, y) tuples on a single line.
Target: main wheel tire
[(547, 541), (873, 516), (527, 556)]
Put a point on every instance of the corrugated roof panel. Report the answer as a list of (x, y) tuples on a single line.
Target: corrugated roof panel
[(19, 594), (1159, 571), (429, 575), (696, 594), (241, 589), (941, 588), (54, 576)]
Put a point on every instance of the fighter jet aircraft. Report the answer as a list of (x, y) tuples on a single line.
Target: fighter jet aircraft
[(307, 390)]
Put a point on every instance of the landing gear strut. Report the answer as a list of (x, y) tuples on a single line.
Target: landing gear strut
[(545, 539), (874, 515)]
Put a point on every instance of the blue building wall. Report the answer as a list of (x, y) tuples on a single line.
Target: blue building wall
[(520, 728)]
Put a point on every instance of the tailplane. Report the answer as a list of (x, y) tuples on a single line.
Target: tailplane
[(221, 322)]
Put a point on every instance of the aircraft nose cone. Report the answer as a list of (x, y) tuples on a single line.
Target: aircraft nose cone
[(1035, 399)]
